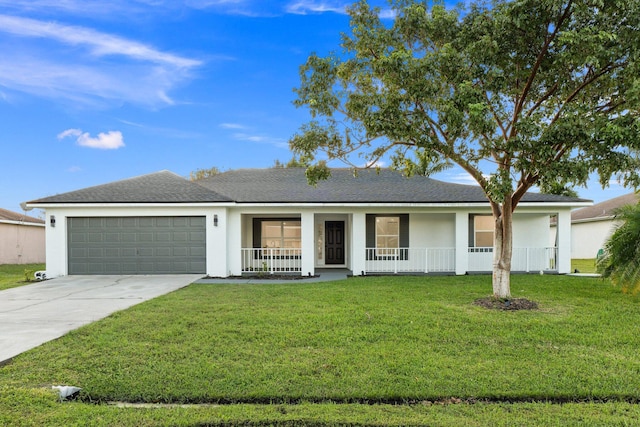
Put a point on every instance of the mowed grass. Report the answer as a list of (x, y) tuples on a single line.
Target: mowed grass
[(373, 350), (584, 265), (12, 275)]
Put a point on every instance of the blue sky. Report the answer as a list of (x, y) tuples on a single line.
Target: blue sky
[(97, 91)]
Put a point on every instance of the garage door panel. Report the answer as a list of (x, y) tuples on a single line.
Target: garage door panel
[(196, 236), (96, 253), (180, 222), (146, 222), (128, 237), (163, 236), (78, 253), (112, 237), (137, 245), (145, 252), (164, 223), (78, 237), (197, 251), (145, 237), (112, 253), (95, 223), (163, 252), (180, 251)]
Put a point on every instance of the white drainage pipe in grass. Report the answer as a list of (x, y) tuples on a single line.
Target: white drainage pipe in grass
[(66, 391)]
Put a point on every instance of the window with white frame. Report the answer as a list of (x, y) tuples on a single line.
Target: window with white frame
[(387, 235), (280, 234), (483, 226)]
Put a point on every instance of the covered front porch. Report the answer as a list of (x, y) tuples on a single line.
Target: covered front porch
[(394, 243)]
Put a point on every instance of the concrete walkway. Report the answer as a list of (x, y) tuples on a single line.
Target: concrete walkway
[(34, 314), (324, 275)]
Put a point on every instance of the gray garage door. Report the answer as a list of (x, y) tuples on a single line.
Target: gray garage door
[(136, 245)]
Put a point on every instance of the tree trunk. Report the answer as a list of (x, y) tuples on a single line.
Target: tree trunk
[(502, 249)]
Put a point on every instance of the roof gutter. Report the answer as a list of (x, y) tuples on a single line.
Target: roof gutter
[(31, 224)]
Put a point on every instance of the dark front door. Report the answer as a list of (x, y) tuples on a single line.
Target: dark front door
[(334, 242)]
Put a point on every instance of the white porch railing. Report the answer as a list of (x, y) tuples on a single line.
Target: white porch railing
[(410, 260), (270, 261), (523, 259)]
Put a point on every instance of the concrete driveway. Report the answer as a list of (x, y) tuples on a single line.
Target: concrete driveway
[(34, 314)]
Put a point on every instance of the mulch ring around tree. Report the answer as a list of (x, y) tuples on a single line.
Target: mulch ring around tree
[(493, 303)]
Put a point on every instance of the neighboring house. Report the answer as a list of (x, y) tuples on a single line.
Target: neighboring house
[(21, 238), (592, 226), (271, 220)]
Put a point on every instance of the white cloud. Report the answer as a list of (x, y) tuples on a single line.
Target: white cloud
[(261, 139), (231, 126), (387, 14), (69, 132), (303, 7), (111, 140), (376, 164), (100, 44), (460, 177), (101, 67)]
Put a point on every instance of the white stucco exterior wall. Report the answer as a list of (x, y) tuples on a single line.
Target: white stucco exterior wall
[(588, 237), (529, 230)]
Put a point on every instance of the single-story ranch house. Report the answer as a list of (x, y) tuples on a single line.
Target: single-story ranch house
[(271, 221)]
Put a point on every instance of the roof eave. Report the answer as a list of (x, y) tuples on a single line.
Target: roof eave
[(127, 204), (31, 224)]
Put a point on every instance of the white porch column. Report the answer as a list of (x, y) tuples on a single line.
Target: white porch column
[(307, 223), (234, 243), (462, 242), (358, 243), (563, 230)]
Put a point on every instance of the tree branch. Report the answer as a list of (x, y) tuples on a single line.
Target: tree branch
[(534, 70)]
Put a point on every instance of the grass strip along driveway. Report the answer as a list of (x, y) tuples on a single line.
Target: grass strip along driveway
[(364, 351), (13, 275)]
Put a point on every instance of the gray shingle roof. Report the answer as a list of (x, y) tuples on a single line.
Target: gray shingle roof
[(7, 215), (159, 187), (289, 185), (604, 210)]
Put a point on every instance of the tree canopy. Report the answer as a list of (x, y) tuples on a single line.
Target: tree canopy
[(518, 93), (199, 174)]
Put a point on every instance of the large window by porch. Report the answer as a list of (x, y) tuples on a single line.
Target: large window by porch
[(482, 231), (285, 234), (277, 244), (387, 235)]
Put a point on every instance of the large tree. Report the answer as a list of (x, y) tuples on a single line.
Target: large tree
[(517, 93)]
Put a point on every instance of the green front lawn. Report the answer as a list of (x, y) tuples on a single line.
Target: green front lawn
[(584, 265), (13, 275), (391, 350)]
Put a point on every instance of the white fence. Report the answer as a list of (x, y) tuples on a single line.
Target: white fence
[(523, 259), (269, 261), (404, 260), (410, 260)]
